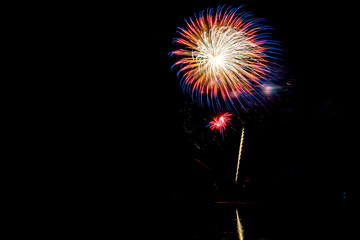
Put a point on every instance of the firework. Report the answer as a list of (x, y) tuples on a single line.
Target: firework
[(220, 123), (239, 157), (226, 58)]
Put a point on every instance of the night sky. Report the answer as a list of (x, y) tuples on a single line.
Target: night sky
[(306, 135), (299, 157)]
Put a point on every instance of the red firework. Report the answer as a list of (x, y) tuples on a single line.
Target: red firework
[(220, 123)]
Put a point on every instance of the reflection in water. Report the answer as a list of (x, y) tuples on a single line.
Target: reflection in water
[(239, 226)]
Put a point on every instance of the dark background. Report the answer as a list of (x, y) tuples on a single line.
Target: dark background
[(298, 158)]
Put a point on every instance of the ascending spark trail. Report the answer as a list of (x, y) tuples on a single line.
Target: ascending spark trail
[(240, 150), (239, 226)]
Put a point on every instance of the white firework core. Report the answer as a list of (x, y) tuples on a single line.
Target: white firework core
[(227, 55), (217, 61)]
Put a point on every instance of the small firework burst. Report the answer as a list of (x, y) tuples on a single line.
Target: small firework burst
[(220, 123)]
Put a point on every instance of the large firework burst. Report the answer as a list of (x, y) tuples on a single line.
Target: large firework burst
[(226, 57)]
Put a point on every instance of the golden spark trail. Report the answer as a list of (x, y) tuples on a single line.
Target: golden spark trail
[(240, 150), (239, 226)]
